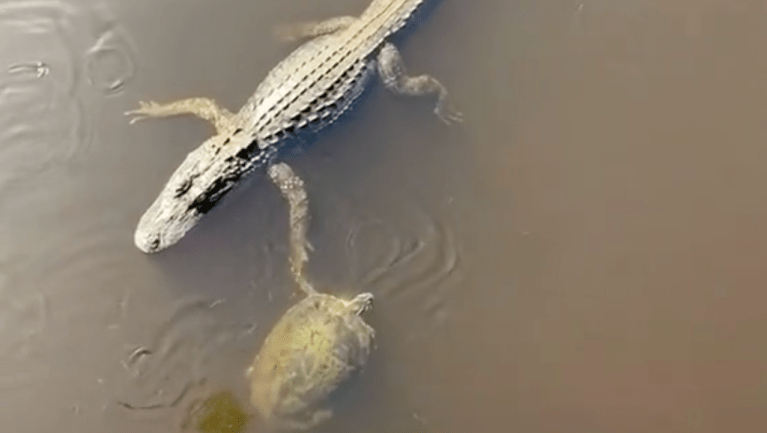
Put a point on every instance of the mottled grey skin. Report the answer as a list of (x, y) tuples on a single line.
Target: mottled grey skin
[(318, 344)]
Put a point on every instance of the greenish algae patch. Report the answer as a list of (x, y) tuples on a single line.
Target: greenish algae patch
[(221, 413)]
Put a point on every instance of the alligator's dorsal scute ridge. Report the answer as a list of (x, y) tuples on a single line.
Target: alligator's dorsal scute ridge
[(306, 91)]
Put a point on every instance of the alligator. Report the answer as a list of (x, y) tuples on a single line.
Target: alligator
[(304, 93)]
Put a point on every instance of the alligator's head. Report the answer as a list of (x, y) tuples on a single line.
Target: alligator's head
[(206, 175)]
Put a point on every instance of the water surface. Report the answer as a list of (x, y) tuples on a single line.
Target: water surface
[(585, 253)]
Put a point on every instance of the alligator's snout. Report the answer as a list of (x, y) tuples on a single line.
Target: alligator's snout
[(147, 243)]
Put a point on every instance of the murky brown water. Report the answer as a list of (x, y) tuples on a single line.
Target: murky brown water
[(585, 253)]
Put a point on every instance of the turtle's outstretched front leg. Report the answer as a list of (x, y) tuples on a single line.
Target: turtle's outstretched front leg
[(392, 71), (204, 108), (292, 189), (311, 29)]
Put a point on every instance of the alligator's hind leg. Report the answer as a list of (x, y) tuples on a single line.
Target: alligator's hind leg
[(318, 417), (204, 108), (292, 189), (310, 29), (392, 70)]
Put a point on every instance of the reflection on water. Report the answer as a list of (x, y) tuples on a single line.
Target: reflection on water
[(585, 253)]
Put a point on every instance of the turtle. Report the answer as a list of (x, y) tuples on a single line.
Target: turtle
[(317, 346)]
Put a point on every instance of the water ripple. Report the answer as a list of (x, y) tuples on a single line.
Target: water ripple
[(46, 45), (416, 267), (41, 121), (109, 62), (23, 319), (40, 69), (370, 234), (161, 374)]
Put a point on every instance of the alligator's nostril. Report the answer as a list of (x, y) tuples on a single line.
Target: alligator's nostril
[(155, 243)]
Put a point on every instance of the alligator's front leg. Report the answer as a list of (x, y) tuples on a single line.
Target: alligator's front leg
[(311, 29), (292, 189), (392, 70), (204, 108)]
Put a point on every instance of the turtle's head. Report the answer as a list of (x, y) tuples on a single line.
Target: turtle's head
[(205, 176), (361, 303)]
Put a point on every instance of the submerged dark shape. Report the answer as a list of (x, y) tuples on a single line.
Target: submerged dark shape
[(220, 413)]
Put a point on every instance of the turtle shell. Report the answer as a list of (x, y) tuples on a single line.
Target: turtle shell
[(315, 347)]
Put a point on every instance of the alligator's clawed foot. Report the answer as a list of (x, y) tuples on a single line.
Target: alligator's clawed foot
[(394, 75), (449, 117), (145, 111), (311, 29), (204, 108), (286, 33)]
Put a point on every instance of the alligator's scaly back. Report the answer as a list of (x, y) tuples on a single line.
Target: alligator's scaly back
[(320, 79), (391, 14)]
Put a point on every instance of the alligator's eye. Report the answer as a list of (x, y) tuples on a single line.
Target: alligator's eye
[(181, 190)]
